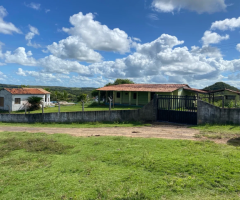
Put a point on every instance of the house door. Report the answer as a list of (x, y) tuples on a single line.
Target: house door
[(1, 101)]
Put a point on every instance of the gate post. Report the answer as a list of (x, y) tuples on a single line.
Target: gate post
[(155, 107)]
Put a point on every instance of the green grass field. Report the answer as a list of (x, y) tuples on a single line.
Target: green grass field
[(78, 125), (218, 131), (77, 108), (40, 166)]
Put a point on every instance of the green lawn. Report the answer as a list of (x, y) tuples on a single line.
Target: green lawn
[(78, 125), (78, 107), (40, 166), (218, 131)]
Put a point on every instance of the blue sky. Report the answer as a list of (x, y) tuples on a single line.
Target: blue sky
[(81, 43)]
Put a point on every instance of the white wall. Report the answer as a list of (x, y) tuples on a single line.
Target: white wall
[(9, 100), (21, 106)]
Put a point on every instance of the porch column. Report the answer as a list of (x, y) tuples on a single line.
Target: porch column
[(113, 98), (137, 100), (98, 97), (149, 97), (130, 94), (120, 97), (106, 97)]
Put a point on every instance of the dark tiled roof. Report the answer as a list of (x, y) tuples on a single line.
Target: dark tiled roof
[(27, 91), (196, 90), (215, 91)]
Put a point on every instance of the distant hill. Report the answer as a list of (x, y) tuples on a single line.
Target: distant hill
[(220, 86), (72, 91)]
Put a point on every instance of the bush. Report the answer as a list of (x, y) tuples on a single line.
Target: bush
[(34, 102)]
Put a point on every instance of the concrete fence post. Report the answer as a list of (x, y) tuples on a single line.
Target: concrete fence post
[(82, 106), (110, 103), (42, 107), (25, 106), (9, 109), (58, 108), (222, 101), (155, 107)]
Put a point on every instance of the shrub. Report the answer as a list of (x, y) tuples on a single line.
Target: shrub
[(34, 102)]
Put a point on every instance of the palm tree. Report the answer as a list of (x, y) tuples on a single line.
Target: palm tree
[(34, 102), (65, 95)]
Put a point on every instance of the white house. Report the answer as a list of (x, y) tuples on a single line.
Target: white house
[(16, 98)]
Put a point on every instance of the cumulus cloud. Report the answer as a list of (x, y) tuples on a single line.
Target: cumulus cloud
[(97, 36), (30, 35), (1, 54), (52, 64), (74, 48), (208, 51), (213, 38), (209, 6), (227, 24), (158, 58), (6, 27), (160, 61), (35, 6), (238, 47), (41, 76), (20, 56)]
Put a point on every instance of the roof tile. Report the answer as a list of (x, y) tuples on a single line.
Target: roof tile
[(27, 91), (144, 87)]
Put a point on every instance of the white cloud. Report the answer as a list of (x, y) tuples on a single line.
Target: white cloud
[(35, 6), (47, 10), (200, 6), (52, 64), (136, 39), (6, 27), (98, 36), (1, 54), (2, 76), (41, 76), (20, 57), (208, 51), (213, 38), (158, 58), (30, 35), (2, 64), (238, 47), (161, 60), (74, 48), (227, 24), (153, 16)]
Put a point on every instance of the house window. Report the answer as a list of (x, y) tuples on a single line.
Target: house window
[(126, 93), (118, 95), (17, 100), (2, 101), (134, 95), (230, 97)]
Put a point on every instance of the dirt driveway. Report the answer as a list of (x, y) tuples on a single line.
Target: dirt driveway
[(167, 131), (155, 131)]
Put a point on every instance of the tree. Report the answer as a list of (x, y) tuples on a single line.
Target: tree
[(24, 86), (47, 89), (65, 95), (83, 97), (94, 93), (120, 81), (34, 102)]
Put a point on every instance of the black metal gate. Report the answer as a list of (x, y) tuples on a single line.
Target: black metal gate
[(178, 109)]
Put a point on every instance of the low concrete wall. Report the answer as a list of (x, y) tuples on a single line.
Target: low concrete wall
[(144, 114), (211, 114)]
